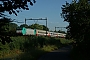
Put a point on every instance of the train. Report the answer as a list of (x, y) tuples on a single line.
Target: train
[(37, 32)]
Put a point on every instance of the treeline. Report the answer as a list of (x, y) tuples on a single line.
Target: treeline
[(35, 26)]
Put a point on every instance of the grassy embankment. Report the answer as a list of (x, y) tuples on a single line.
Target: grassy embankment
[(30, 48)]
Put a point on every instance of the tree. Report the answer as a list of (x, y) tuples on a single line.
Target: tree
[(24, 25), (77, 14), (4, 24), (37, 26), (12, 29), (14, 6), (4, 29), (60, 31), (45, 28), (8, 29)]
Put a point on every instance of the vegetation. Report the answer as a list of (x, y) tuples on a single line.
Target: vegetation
[(35, 26), (12, 7), (60, 31), (4, 24), (77, 14), (22, 47), (12, 31), (24, 25), (30, 47)]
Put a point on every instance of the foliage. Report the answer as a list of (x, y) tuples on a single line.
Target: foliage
[(23, 25), (12, 29), (14, 6), (45, 28), (77, 14), (60, 31), (31, 46), (6, 29), (35, 26), (4, 23)]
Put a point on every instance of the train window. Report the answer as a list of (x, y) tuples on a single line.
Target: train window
[(41, 32)]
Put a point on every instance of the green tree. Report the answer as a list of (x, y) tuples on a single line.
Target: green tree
[(8, 28), (4, 29), (12, 7), (77, 14), (60, 31), (45, 28), (37, 26), (12, 29), (24, 25), (4, 24)]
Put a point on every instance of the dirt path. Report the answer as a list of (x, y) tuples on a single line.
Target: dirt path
[(60, 54)]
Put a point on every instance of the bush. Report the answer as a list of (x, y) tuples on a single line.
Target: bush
[(31, 43)]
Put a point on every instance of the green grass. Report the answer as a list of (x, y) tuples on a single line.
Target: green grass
[(30, 48), (65, 41), (31, 54), (34, 54)]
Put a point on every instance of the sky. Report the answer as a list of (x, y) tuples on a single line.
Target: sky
[(49, 9)]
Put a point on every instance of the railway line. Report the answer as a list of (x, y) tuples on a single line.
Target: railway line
[(37, 32)]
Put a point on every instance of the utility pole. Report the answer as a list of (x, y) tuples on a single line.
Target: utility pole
[(38, 19), (25, 21)]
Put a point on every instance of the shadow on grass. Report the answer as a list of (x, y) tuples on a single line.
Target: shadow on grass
[(32, 54), (33, 47), (60, 54)]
